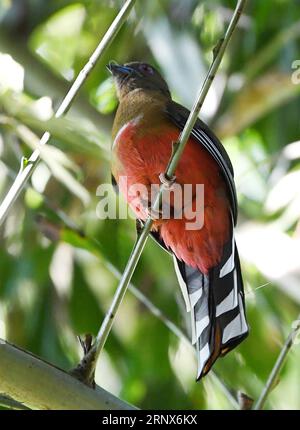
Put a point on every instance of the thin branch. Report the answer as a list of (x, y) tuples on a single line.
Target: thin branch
[(91, 358), (278, 365), (228, 392), (40, 385), (31, 163)]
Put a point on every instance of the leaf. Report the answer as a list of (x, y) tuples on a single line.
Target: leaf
[(78, 136), (84, 310), (57, 162), (260, 97), (56, 40), (104, 97), (11, 74), (78, 241)]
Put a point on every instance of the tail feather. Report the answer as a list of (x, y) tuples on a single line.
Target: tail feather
[(216, 303)]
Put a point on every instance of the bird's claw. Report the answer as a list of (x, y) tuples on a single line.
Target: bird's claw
[(85, 370), (167, 182)]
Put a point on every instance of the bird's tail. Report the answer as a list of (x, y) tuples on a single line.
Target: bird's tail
[(217, 307)]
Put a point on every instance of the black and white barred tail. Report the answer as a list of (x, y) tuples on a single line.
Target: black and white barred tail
[(217, 307)]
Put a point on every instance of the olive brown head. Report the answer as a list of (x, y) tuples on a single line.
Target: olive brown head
[(137, 75)]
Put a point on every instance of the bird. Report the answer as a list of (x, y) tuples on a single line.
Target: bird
[(146, 127)]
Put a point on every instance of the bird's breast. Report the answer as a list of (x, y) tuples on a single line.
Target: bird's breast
[(141, 152)]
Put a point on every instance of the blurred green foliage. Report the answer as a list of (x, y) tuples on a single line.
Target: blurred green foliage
[(58, 260)]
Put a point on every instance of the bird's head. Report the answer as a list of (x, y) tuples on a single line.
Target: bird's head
[(136, 75)]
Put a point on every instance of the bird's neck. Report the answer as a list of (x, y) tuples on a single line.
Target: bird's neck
[(143, 104)]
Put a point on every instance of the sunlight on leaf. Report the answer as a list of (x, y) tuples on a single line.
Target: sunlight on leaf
[(56, 40), (104, 97), (11, 74), (254, 101)]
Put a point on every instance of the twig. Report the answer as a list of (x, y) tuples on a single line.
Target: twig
[(40, 385), (278, 365), (92, 356), (33, 160)]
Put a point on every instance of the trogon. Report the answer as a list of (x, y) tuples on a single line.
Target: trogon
[(146, 125)]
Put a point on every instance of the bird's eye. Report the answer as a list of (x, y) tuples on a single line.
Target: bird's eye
[(145, 68)]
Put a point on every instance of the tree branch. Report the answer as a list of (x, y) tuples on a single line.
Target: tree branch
[(31, 163), (91, 358), (278, 366), (40, 385)]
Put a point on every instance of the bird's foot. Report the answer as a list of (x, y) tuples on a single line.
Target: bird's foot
[(167, 182), (85, 370)]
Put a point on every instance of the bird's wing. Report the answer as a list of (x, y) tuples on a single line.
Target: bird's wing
[(205, 137)]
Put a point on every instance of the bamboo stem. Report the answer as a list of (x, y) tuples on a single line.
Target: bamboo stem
[(31, 163), (39, 385), (10, 403), (92, 356), (278, 366)]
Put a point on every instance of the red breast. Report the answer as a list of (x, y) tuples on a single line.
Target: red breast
[(140, 154)]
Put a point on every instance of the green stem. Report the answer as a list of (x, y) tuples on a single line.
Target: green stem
[(33, 160), (173, 162), (278, 366), (39, 385)]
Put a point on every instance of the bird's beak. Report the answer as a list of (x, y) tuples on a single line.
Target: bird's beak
[(116, 69)]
